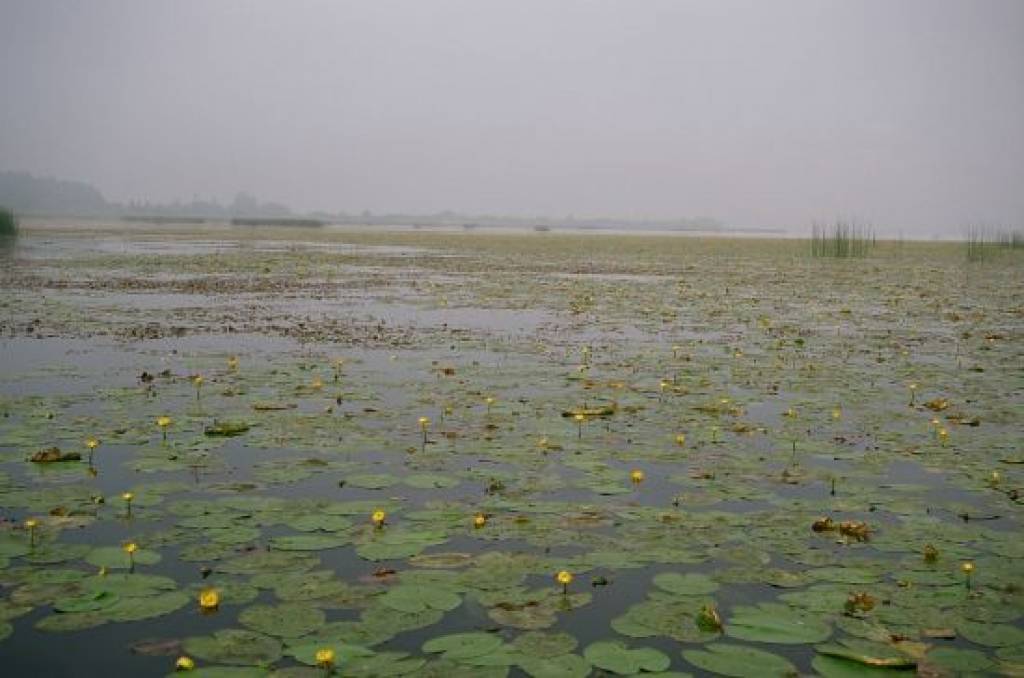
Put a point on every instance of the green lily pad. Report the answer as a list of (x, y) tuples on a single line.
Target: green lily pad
[(689, 584), (737, 660), (115, 557), (288, 620), (408, 598), (87, 602), (234, 646), (559, 666), (616, 657), (463, 645), (776, 624)]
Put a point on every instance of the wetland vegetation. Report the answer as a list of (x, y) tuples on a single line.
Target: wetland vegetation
[(302, 452)]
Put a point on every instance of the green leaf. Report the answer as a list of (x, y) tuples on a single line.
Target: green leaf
[(737, 660), (616, 657), (463, 645), (690, 584)]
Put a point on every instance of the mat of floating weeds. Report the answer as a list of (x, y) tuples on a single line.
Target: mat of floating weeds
[(800, 506)]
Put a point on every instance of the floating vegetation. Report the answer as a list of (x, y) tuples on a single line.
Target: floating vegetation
[(538, 456)]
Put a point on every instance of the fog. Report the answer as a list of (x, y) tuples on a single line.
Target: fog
[(907, 115)]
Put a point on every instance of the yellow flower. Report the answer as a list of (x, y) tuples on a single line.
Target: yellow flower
[(637, 476), (128, 496), (317, 384), (233, 362), (680, 439), (163, 422), (209, 599), (837, 413), (564, 577), (424, 423), (790, 413), (579, 417), (92, 443), (198, 380), (130, 547), (378, 518), (663, 384), (479, 520), (31, 523), (184, 663), (325, 657), (967, 568), (995, 478)]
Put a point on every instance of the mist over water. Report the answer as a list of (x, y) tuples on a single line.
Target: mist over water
[(770, 115)]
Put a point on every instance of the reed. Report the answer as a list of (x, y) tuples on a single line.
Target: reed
[(841, 240)]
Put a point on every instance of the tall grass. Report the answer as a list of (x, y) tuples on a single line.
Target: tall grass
[(8, 223), (983, 243), (841, 240)]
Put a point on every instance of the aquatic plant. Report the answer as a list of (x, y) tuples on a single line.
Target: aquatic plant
[(378, 518), (184, 663), (163, 422), (564, 578), (841, 240), (91, 444), (8, 223), (968, 569), (209, 600), (31, 524)]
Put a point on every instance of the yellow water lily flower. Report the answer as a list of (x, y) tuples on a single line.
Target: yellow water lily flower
[(130, 547), (479, 520), (128, 496), (680, 439), (378, 517), (325, 657), (316, 384), (233, 363), (637, 476), (163, 422), (92, 443), (31, 525), (564, 577), (209, 600), (184, 663)]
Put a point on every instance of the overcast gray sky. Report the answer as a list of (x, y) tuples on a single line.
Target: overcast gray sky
[(904, 113)]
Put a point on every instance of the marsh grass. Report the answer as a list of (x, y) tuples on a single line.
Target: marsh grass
[(8, 223), (841, 240), (984, 243)]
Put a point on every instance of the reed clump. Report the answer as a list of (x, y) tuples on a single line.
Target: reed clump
[(8, 223), (841, 240), (983, 243)]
